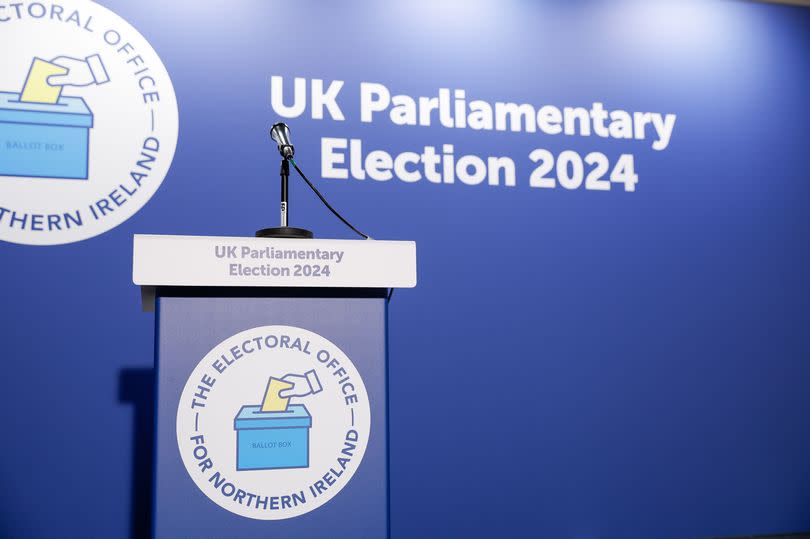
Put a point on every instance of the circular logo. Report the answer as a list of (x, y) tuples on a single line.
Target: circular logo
[(273, 422), (88, 121)]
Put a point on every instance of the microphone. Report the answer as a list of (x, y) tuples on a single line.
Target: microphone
[(280, 133)]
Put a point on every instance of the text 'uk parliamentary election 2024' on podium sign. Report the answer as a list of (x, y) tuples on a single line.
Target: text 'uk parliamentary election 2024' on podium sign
[(271, 367)]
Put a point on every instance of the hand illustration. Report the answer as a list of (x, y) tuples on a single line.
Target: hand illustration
[(80, 72), (307, 384)]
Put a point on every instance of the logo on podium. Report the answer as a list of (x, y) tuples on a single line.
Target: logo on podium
[(273, 422)]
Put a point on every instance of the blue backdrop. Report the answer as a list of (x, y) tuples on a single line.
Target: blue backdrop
[(573, 364)]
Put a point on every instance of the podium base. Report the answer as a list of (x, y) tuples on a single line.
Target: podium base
[(284, 232)]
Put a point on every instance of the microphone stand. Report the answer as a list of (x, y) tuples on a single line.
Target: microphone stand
[(284, 231), (285, 195)]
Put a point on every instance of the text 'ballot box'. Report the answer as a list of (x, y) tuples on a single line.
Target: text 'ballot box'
[(44, 140), (272, 440)]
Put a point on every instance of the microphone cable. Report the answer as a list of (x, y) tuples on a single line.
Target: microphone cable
[(334, 211), (325, 203)]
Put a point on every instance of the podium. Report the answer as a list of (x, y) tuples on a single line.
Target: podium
[(271, 383)]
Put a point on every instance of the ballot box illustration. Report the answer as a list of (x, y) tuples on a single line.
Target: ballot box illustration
[(272, 440), (44, 140), (271, 366)]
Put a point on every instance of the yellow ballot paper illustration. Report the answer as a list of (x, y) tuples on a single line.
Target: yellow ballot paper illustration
[(36, 88), (272, 401)]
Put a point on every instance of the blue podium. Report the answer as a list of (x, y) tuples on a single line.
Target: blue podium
[(271, 368)]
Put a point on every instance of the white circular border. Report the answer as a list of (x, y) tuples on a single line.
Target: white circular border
[(216, 420)]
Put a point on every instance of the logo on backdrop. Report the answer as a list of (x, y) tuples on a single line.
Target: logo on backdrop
[(88, 122), (273, 422)]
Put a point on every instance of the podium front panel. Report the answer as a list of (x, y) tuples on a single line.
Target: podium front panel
[(271, 413)]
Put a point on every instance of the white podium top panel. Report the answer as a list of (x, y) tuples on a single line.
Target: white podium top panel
[(233, 261)]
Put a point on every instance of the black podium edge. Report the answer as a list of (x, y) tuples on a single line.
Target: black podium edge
[(268, 292)]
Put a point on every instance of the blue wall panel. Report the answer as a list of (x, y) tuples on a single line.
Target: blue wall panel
[(595, 365)]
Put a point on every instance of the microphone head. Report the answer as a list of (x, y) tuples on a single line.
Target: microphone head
[(280, 133)]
